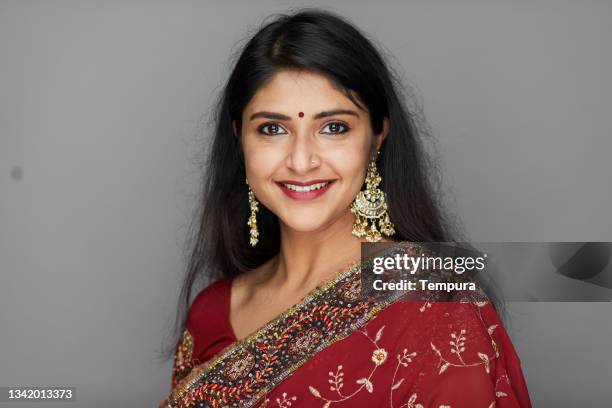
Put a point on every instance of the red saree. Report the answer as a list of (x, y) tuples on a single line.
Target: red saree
[(336, 349)]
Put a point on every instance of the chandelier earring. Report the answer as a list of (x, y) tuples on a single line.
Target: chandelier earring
[(252, 222), (370, 209)]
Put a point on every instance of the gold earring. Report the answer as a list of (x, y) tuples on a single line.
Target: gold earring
[(252, 222), (370, 209)]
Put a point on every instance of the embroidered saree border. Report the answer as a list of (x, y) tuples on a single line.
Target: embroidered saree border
[(330, 313), (183, 359)]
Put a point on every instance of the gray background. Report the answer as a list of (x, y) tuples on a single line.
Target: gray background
[(100, 108)]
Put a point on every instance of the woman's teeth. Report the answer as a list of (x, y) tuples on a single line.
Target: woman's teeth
[(303, 189)]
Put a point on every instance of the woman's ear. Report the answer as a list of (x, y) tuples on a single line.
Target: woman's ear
[(383, 133), (234, 128)]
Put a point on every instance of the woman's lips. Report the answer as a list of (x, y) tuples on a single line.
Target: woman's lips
[(305, 191)]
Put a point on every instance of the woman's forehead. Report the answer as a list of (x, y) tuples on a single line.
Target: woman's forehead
[(293, 91)]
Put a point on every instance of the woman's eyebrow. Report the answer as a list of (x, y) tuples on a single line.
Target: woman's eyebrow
[(324, 114), (269, 115), (335, 112)]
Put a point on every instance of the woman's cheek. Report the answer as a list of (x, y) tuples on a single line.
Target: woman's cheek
[(263, 168), (353, 168)]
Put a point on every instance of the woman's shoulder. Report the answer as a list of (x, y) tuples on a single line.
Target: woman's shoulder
[(203, 329), (461, 343), (208, 320), (463, 318), (212, 298)]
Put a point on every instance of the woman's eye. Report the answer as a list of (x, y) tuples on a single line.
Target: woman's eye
[(272, 129), (335, 128)]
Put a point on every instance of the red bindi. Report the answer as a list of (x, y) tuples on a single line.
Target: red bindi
[(301, 114)]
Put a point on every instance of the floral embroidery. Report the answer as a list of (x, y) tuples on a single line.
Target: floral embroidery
[(285, 402), (405, 358), (239, 365), (335, 379), (351, 290), (280, 403), (183, 358), (305, 341), (412, 402), (458, 346), (504, 377), (426, 305), (244, 374), (379, 356), (328, 314), (402, 360)]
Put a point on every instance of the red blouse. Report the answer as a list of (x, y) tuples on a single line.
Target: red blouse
[(208, 321), (405, 354)]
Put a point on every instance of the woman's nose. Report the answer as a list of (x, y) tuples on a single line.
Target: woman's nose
[(301, 152)]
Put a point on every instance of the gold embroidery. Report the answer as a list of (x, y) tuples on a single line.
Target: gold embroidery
[(183, 358), (305, 341), (351, 290), (239, 365), (331, 312)]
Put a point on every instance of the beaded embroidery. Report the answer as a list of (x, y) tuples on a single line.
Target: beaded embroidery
[(305, 341), (245, 371), (239, 365), (183, 360), (351, 290)]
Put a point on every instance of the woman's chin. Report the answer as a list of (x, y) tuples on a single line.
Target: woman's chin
[(305, 228), (314, 220), (307, 224)]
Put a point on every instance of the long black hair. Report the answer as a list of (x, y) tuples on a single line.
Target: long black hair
[(322, 42)]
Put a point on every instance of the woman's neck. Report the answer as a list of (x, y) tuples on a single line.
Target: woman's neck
[(306, 259)]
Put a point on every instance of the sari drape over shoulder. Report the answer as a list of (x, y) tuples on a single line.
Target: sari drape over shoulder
[(336, 348)]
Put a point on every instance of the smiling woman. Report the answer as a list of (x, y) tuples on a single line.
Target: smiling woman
[(314, 153), (298, 167)]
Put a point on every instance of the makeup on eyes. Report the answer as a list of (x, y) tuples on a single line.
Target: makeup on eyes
[(345, 126)]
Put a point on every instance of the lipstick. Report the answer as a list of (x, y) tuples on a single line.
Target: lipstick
[(304, 190)]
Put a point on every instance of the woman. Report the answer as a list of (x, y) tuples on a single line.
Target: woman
[(309, 115)]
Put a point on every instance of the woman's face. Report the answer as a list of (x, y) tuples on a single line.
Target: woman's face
[(306, 148)]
